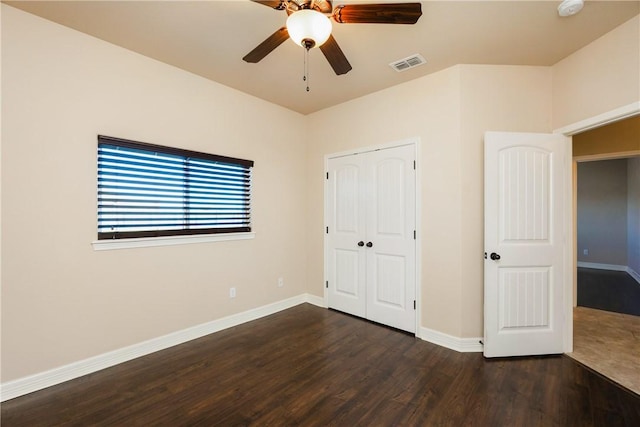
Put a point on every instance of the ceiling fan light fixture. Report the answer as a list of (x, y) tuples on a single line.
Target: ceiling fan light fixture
[(308, 28)]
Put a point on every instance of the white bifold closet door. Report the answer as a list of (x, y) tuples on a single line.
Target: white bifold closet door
[(371, 246)]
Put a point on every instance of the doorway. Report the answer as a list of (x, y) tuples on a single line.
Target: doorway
[(608, 235), (603, 339)]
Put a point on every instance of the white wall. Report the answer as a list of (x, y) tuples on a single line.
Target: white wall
[(633, 214), (602, 212), (61, 300)]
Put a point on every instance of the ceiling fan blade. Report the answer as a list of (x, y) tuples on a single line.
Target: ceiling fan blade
[(267, 46), (275, 4), (323, 6), (335, 56), (392, 13)]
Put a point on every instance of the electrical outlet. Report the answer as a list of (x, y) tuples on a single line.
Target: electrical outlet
[(585, 252), (280, 282), (232, 292)]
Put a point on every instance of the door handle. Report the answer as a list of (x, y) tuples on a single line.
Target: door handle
[(494, 256), (369, 244), (361, 243)]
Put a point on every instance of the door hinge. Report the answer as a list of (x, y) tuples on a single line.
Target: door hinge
[(414, 234), (327, 175), (326, 284), (414, 304), (414, 165), (327, 230)]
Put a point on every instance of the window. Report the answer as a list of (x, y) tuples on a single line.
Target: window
[(147, 190)]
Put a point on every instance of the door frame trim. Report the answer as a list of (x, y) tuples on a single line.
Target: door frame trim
[(603, 119), (570, 256), (415, 141)]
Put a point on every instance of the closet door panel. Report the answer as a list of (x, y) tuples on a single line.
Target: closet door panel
[(390, 230), (346, 223)]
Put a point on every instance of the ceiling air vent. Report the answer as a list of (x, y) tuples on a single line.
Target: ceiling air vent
[(408, 62)]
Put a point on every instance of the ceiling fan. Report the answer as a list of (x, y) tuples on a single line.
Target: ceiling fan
[(309, 26)]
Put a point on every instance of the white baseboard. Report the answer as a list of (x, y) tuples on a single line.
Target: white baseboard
[(39, 381), (633, 274), (612, 267), (315, 300), (462, 345), (600, 266)]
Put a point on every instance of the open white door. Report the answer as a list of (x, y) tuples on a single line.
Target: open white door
[(524, 243)]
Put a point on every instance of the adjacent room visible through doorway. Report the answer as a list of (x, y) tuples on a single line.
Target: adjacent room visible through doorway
[(608, 215), (607, 312)]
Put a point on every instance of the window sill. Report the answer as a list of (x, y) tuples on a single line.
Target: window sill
[(145, 242)]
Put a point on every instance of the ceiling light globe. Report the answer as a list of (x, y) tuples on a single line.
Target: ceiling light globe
[(307, 24)]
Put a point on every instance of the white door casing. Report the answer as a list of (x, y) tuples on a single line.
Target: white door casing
[(371, 251), (524, 226)]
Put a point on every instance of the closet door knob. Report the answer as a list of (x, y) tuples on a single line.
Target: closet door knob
[(369, 244), (361, 243), (494, 256)]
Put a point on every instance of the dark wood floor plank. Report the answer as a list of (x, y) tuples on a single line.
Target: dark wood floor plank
[(615, 291), (308, 366)]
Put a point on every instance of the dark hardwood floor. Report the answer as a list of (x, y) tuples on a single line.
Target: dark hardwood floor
[(314, 367), (608, 290)]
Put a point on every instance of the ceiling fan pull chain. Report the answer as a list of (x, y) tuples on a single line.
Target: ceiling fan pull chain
[(306, 68)]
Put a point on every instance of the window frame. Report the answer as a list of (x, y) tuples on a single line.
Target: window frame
[(185, 234)]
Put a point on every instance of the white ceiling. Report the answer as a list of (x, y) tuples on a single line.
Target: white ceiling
[(209, 38)]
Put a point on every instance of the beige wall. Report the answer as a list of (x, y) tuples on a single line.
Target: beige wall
[(493, 98), (61, 300), (449, 111), (428, 108), (598, 78), (618, 137)]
